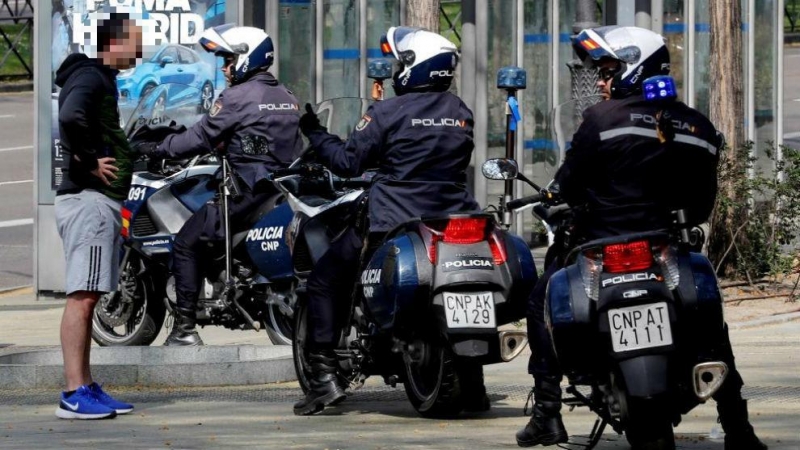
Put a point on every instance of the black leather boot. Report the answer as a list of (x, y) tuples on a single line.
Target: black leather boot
[(545, 426), (183, 331), (325, 390), (739, 434)]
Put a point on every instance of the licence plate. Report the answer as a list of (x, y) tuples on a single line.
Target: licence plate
[(473, 310), (639, 327)]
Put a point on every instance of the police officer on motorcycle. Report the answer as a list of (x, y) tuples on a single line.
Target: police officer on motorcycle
[(420, 143), (621, 176), (256, 122)]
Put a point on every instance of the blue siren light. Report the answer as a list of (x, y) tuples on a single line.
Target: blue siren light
[(661, 87)]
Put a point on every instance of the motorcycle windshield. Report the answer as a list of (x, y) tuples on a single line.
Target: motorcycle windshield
[(562, 124), (165, 104), (341, 115)]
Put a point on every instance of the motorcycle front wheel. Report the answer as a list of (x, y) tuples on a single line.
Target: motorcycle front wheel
[(133, 314)]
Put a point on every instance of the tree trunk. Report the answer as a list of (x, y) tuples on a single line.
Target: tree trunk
[(726, 107), (423, 14)]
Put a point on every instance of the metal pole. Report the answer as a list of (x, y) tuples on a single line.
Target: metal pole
[(519, 186), (362, 49), (272, 25), (642, 17), (691, 45), (319, 31), (481, 97), (778, 97), (657, 14)]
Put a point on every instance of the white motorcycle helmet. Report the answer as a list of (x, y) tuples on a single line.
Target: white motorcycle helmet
[(252, 48), (640, 52), (427, 60)]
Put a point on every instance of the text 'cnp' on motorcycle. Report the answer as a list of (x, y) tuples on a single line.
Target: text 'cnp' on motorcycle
[(636, 322), (427, 304), (248, 277)]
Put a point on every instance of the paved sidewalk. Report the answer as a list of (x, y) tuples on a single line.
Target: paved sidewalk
[(375, 417)]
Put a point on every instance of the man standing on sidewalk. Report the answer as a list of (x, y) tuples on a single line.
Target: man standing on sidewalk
[(88, 203)]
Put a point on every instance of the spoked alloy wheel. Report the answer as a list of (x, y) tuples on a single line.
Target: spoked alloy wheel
[(432, 384), (132, 315)]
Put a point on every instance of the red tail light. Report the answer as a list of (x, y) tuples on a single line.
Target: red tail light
[(630, 257), (465, 231), (498, 248)]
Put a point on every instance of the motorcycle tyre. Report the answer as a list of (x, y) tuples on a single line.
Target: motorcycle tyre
[(648, 428), (153, 320), (301, 366), (279, 328), (445, 399)]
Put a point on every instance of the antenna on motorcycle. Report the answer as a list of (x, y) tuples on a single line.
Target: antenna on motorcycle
[(511, 79), (379, 70)]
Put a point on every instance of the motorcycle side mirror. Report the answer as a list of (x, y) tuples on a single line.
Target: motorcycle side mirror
[(500, 169)]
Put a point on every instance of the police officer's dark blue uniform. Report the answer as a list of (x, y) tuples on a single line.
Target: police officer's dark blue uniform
[(621, 174), (420, 144), (256, 122)]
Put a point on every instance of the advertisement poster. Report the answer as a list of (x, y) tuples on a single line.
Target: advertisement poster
[(172, 58)]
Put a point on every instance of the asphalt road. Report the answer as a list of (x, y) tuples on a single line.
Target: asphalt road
[(791, 97), (16, 190)]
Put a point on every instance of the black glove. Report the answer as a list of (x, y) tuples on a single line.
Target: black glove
[(144, 148), (309, 122)]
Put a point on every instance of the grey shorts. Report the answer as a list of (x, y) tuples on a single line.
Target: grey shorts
[(89, 225)]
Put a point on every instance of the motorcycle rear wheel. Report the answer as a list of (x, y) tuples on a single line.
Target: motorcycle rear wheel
[(432, 383), (145, 310), (647, 427)]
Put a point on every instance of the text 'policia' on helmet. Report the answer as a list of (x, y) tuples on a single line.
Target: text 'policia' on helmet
[(252, 48), (641, 53), (427, 60)]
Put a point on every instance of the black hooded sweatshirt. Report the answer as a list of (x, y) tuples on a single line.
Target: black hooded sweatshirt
[(89, 126)]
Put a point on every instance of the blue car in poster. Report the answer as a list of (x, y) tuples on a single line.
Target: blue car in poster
[(173, 64)]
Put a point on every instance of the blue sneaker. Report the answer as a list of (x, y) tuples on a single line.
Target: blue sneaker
[(83, 404), (116, 405)]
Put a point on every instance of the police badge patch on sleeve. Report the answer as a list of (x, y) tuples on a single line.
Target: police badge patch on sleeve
[(215, 109), (363, 122)]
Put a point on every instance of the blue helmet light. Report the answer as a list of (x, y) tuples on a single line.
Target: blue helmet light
[(661, 87)]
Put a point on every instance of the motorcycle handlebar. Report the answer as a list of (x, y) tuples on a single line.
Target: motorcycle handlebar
[(520, 202)]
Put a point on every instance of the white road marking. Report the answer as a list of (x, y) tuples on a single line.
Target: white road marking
[(3, 183), (7, 116), (15, 223), (13, 149), (792, 135)]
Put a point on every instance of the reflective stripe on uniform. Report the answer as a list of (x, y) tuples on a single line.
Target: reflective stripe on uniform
[(651, 133)]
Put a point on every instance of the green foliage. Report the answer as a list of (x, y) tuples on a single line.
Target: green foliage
[(756, 227), (12, 65)]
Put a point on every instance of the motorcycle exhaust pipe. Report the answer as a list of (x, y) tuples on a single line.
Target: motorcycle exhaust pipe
[(708, 377), (512, 343)]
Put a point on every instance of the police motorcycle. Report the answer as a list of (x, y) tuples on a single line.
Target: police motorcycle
[(636, 322), (248, 284), (427, 306)]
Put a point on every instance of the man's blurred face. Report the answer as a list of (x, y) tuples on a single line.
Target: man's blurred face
[(228, 67), (122, 53), (606, 69)]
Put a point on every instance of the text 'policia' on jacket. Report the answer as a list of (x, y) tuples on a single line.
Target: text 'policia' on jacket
[(628, 179), (421, 145), (255, 122), (88, 100)]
